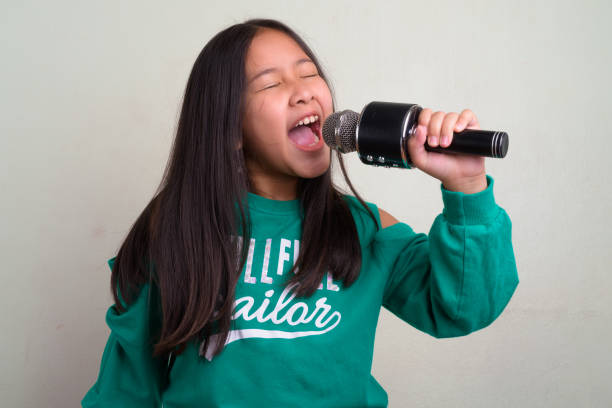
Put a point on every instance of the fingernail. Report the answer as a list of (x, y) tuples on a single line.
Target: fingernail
[(459, 126), (433, 140), (444, 140)]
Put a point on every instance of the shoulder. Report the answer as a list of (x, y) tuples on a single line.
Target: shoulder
[(383, 218), (386, 219), (367, 227), (139, 293)]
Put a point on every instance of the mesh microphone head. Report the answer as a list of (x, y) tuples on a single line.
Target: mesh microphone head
[(339, 130)]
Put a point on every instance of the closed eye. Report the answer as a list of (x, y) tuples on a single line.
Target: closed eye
[(270, 86), (278, 83)]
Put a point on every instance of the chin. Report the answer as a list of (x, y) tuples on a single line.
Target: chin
[(314, 171)]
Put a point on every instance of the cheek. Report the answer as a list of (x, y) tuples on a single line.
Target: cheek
[(325, 98), (265, 115), (264, 133)]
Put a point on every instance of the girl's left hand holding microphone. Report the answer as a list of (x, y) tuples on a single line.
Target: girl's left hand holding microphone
[(465, 173)]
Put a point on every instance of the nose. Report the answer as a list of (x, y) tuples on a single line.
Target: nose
[(301, 93)]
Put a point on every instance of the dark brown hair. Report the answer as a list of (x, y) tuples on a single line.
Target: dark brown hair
[(182, 241)]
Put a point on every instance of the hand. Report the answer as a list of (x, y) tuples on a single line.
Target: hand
[(457, 172)]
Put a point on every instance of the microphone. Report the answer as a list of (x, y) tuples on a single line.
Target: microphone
[(380, 135)]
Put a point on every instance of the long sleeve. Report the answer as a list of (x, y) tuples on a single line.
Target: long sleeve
[(129, 375), (459, 278)]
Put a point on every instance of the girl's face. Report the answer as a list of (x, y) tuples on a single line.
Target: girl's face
[(283, 88)]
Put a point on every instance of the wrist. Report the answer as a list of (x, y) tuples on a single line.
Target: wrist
[(470, 185)]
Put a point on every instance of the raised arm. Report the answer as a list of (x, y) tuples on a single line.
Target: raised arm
[(461, 276)]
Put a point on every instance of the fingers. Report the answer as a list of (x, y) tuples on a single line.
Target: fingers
[(439, 126), (416, 144), (438, 129), (425, 116), (448, 125), (433, 128), (467, 119)]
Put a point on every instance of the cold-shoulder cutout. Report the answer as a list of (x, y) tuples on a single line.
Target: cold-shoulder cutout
[(386, 219)]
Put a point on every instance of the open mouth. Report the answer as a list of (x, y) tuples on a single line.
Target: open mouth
[(307, 132)]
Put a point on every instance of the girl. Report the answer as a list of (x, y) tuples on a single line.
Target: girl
[(250, 280)]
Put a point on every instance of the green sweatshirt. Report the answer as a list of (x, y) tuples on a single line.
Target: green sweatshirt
[(317, 352)]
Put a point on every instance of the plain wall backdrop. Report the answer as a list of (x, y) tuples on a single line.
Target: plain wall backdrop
[(90, 94)]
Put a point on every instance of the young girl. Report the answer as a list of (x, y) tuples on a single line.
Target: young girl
[(250, 280)]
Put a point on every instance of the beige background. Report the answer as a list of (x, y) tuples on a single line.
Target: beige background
[(89, 98)]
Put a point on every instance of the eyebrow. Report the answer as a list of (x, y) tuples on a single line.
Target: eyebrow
[(269, 70)]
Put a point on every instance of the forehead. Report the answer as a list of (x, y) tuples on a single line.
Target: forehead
[(272, 49)]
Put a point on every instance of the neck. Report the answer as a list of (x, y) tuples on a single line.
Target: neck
[(281, 187)]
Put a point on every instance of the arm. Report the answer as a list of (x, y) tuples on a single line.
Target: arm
[(129, 375), (460, 277)]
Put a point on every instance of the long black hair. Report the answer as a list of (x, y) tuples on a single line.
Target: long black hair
[(183, 243)]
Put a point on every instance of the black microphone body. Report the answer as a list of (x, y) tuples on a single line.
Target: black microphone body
[(381, 132)]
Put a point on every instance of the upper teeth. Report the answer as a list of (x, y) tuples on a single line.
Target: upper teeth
[(307, 120)]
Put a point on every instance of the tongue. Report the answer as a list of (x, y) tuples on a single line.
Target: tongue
[(302, 135)]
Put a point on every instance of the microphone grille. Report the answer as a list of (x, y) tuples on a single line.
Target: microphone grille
[(339, 130)]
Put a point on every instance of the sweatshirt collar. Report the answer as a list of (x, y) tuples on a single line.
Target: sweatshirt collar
[(260, 203)]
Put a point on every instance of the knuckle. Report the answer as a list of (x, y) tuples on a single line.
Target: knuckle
[(424, 116), (436, 119), (451, 118)]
